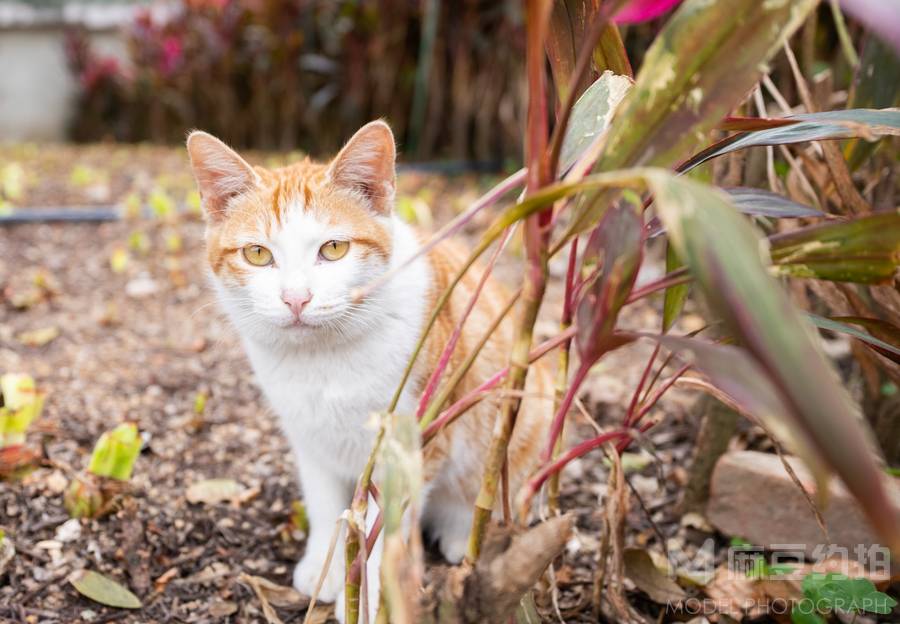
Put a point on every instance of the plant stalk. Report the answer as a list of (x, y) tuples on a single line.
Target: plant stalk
[(536, 235), (562, 369), (354, 554)]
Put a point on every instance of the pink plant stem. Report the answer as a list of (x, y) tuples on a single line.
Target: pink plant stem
[(623, 444), (560, 417), (576, 451), (488, 199), (640, 387), (656, 396), (373, 533), (674, 278), (474, 396), (432, 384), (657, 375)]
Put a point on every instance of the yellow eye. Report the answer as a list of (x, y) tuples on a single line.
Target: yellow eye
[(257, 255), (334, 250)]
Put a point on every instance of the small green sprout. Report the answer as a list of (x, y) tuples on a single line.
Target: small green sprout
[(826, 593), (115, 453), (200, 403), (91, 494), (82, 176), (83, 498), (173, 242), (161, 204), (761, 570), (138, 242), (20, 404)]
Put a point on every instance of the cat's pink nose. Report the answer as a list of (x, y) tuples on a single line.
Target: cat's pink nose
[(296, 300)]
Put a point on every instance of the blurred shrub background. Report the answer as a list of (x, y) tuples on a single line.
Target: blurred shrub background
[(277, 74), (297, 74)]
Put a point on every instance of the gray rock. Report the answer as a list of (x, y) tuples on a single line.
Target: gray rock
[(753, 497)]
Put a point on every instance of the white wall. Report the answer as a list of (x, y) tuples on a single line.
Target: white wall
[(37, 90)]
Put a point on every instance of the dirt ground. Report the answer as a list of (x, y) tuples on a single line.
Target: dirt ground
[(139, 338)]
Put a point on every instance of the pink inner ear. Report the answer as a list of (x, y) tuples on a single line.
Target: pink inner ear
[(366, 165), (220, 172)]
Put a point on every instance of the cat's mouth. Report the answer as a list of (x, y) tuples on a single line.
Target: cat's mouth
[(304, 323)]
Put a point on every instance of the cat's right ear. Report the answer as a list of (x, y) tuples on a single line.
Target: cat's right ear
[(220, 172)]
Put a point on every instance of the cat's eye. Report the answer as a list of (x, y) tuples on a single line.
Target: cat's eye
[(257, 255), (334, 250)]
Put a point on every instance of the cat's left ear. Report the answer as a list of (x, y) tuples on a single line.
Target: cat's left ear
[(366, 166), (221, 174)]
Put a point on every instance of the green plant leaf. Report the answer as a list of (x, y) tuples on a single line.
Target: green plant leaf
[(615, 249), (20, 404), (104, 590), (864, 598), (661, 588), (839, 324), (864, 250), (756, 202), (764, 203), (851, 595), (675, 296), (115, 453), (734, 372), (688, 82), (726, 257), (591, 115), (865, 123)]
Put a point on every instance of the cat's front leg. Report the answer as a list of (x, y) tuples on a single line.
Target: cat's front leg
[(326, 496)]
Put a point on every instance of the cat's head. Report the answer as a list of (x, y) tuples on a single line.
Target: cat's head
[(288, 247)]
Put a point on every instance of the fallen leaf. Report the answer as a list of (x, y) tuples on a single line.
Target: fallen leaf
[(662, 589), (164, 578), (212, 491), (16, 460), (319, 615), (39, 337), (270, 594), (118, 261), (211, 573), (277, 595), (24, 298), (104, 590), (222, 608), (736, 595)]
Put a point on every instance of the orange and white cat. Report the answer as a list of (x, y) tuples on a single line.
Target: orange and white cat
[(287, 248)]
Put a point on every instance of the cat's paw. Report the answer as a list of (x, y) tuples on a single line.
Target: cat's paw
[(453, 547), (339, 614), (307, 573)]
